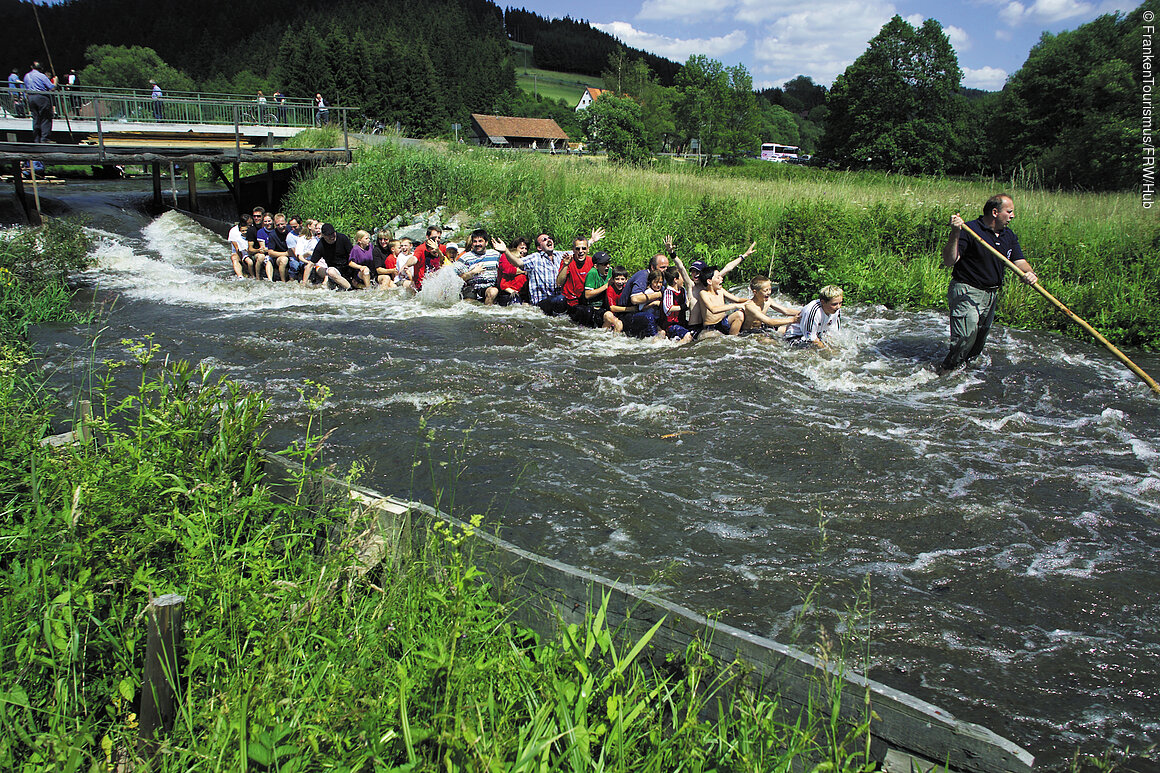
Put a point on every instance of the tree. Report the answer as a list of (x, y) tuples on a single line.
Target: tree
[(625, 76), (893, 108), (716, 105), (614, 123), (1071, 112), (131, 67), (776, 124)]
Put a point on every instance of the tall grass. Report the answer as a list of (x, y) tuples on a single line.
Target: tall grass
[(293, 661), (35, 264), (877, 235)]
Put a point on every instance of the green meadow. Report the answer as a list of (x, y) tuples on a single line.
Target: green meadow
[(877, 235)]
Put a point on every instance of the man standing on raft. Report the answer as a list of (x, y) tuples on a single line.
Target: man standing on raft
[(977, 275)]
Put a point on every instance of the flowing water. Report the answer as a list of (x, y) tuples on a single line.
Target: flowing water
[(1005, 519)]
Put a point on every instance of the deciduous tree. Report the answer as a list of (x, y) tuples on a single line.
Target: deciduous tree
[(614, 124), (893, 108)]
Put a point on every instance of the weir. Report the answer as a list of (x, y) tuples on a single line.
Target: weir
[(104, 129), (907, 733)]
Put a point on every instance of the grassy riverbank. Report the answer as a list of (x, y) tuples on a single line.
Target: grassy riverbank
[(877, 235), (293, 661)]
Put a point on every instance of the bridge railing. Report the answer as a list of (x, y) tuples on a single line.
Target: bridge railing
[(122, 106)]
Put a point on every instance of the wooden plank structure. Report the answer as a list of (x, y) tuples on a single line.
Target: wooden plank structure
[(907, 733), (166, 152)]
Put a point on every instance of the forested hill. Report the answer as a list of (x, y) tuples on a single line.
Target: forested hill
[(575, 46), (424, 64), (206, 37)]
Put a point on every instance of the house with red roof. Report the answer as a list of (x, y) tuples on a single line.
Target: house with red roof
[(502, 131), (588, 97)]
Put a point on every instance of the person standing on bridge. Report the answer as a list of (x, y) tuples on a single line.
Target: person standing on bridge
[(977, 275), (71, 84), (15, 99), (156, 97), (37, 86)]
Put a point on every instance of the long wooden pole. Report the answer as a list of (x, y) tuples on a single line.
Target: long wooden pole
[(1072, 315), (52, 67)]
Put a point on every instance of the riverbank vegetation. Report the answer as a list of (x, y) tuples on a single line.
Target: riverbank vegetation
[(292, 661), (878, 235)]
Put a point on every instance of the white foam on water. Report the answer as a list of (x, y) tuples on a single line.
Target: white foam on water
[(648, 412), (619, 543), (441, 288)]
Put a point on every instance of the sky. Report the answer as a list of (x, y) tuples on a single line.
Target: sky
[(778, 40)]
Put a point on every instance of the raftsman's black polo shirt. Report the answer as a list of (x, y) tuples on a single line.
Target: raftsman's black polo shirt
[(977, 267)]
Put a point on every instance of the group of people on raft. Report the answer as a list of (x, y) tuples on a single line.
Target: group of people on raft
[(666, 299)]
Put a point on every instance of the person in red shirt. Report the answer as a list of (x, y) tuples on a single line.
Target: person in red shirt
[(428, 256), (512, 279)]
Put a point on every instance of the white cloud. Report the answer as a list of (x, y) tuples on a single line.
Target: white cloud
[(1044, 11), (682, 9), (678, 49), (986, 78), (914, 20), (820, 39), (757, 11), (959, 38)]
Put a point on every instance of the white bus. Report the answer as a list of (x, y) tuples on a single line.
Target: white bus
[(773, 152)]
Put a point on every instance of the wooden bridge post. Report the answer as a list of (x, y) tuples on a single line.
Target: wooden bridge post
[(156, 185), (30, 214), (191, 179), (160, 682), (237, 189), (100, 131)]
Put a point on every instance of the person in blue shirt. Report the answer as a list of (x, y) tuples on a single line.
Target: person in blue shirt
[(15, 94), (37, 86)]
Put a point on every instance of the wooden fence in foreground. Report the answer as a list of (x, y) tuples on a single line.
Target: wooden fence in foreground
[(907, 735)]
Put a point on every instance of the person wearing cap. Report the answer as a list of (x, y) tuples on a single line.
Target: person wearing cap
[(334, 248), (593, 310), (478, 268), (37, 86), (156, 96)]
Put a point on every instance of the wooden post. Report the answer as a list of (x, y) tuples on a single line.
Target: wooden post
[(237, 189), (30, 214), (83, 427), (270, 184), (160, 681), (35, 191), (157, 185), (173, 181), (100, 131), (191, 180)]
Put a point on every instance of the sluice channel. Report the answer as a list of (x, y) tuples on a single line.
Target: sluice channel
[(995, 532)]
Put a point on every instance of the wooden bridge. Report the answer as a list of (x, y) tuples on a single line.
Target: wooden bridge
[(119, 128)]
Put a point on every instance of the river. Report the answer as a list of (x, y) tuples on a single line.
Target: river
[(1005, 519)]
